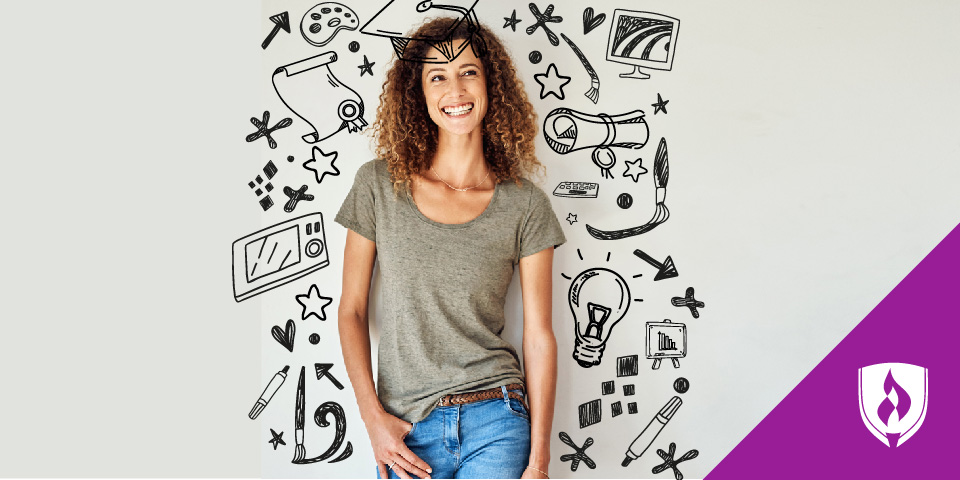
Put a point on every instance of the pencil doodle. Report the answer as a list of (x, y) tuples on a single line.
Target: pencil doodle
[(666, 340), (580, 454), (301, 83), (551, 83), (669, 462), (598, 299), (277, 438), (661, 173), (323, 370), (632, 408), (660, 106), (608, 387), (577, 190), (322, 22), (258, 187), (590, 21), (589, 413), (624, 200), (535, 57), (280, 21), (629, 389), (323, 160), (616, 408), (313, 303), (681, 385), (285, 336), (567, 130), (688, 301), (278, 254), (572, 218), (366, 67), (320, 418), (268, 393), (542, 20), (664, 270), (314, 339), (628, 366), (353, 46), (399, 16), (267, 132), (512, 21), (642, 39), (649, 433), (635, 169), (295, 197), (594, 92)]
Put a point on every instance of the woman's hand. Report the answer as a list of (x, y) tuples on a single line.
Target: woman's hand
[(386, 436), (533, 473)]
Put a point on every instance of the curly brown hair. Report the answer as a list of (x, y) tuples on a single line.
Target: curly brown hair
[(406, 137)]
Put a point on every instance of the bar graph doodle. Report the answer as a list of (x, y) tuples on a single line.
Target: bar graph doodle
[(669, 462), (567, 130), (594, 92), (688, 301), (542, 20), (285, 336), (580, 454), (591, 21), (666, 340), (265, 131), (322, 22)]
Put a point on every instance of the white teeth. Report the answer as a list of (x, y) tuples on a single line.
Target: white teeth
[(456, 111)]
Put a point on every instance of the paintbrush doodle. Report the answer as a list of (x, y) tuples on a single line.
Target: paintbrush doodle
[(264, 131), (512, 21), (551, 83), (277, 439), (669, 462), (313, 303), (660, 106), (295, 197), (285, 336), (399, 16), (320, 418), (688, 301), (594, 92), (580, 454), (280, 21), (542, 20), (590, 21), (567, 130), (661, 173), (322, 22), (322, 164), (642, 39)]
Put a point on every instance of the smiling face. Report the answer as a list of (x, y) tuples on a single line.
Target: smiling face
[(456, 94)]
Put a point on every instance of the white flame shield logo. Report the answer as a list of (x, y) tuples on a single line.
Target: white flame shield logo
[(893, 400)]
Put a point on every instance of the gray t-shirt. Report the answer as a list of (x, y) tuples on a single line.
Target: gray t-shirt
[(444, 287)]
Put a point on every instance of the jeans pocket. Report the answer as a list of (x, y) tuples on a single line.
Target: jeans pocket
[(516, 407)]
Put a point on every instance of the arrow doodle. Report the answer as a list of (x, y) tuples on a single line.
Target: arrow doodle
[(664, 270), (280, 20)]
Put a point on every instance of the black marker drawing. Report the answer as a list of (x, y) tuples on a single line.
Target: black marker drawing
[(632, 408), (681, 385), (616, 408), (268, 393), (666, 340), (314, 339), (579, 456), (589, 413), (628, 366), (354, 47), (660, 106), (290, 158), (295, 197), (551, 83), (635, 169), (285, 336), (320, 417), (624, 200), (642, 39), (512, 21), (650, 432), (598, 299), (572, 218), (322, 164), (279, 254), (629, 389), (280, 20), (669, 462), (577, 190), (323, 370), (590, 21), (313, 303), (661, 173), (567, 130), (300, 84), (264, 131), (542, 20), (688, 301), (535, 57), (322, 22), (608, 387), (277, 438), (258, 187), (366, 67), (594, 92), (664, 270), (345, 454), (399, 16)]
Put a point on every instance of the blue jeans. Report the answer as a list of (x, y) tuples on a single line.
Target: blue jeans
[(486, 439)]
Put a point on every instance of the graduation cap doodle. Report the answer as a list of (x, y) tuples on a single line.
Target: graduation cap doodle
[(399, 19)]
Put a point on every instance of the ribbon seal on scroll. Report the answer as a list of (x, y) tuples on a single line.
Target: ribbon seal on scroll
[(309, 89), (568, 130)]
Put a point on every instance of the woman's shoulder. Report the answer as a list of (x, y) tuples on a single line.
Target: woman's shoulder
[(524, 189)]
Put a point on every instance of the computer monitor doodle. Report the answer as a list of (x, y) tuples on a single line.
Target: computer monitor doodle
[(642, 39)]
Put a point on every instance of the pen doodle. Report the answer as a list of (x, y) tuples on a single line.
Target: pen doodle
[(594, 92), (366, 66), (664, 270), (681, 385), (669, 462), (535, 57), (624, 200), (277, 439), (295, 197), (399, 16), (551, 83), (313, 339), (323, 370), (660, 106), (285, 336), (268, 393), (632, 408), (688, 301), (313, 303), (512, 21), (264, 131), (608, 387), (258, 187), (280, 21), (628, 366), (616, 409), (320, 418), (649, 433), (580, 454), (666, 340), (642, 39), (590, 413), (542, 20), (567, 130), (324, 161), (629, 389), (661, 173), (590, 21), (322, 22)]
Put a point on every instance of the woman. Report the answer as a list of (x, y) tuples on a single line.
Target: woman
[(447, 212)]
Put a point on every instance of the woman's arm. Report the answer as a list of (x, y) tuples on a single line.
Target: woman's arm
[(539, 354), (386, 431)]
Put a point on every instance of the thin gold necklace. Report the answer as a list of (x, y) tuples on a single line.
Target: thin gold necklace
[(460, 189)]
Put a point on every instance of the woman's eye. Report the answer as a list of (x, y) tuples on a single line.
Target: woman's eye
[(436, 78), (469, 72)]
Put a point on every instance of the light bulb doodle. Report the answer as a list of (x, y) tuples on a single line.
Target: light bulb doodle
[(598, 298)]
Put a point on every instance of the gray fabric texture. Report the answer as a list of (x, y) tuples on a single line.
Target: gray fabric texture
[(444, 287)]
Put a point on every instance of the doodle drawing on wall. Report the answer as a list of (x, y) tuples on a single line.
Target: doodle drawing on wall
[(577, 190), (642, 40), (594, 92), (399, 16), (285, 336), (649, 433), (551, 83), (542, 20), (322, 22), (567, 130), (591, 21), (268, 392), (313, 304), (320, 418), (279, 254), (669, 462), (598, 299), (258, 186), (666, 340), (579, 455), (664, 270), (299, 84), (277, 439), (280, 21), (322, 164), (688, 301), (266, 131), (295, 197)]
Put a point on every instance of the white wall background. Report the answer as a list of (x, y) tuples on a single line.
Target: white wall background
[(812, 159)]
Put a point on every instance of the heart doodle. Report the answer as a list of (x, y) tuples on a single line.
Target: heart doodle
[(285, 337), (590, 22)]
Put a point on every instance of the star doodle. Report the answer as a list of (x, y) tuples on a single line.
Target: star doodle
[(660, 106), (542, 20), (264, 131), (551, 82), (367, 66), (328, 167), (669, 462), (313, 303), (635, 169), (277, 439), (572, 218), (580, 456), (512, 21)]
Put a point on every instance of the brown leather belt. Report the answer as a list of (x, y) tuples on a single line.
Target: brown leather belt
[(488, 394)]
